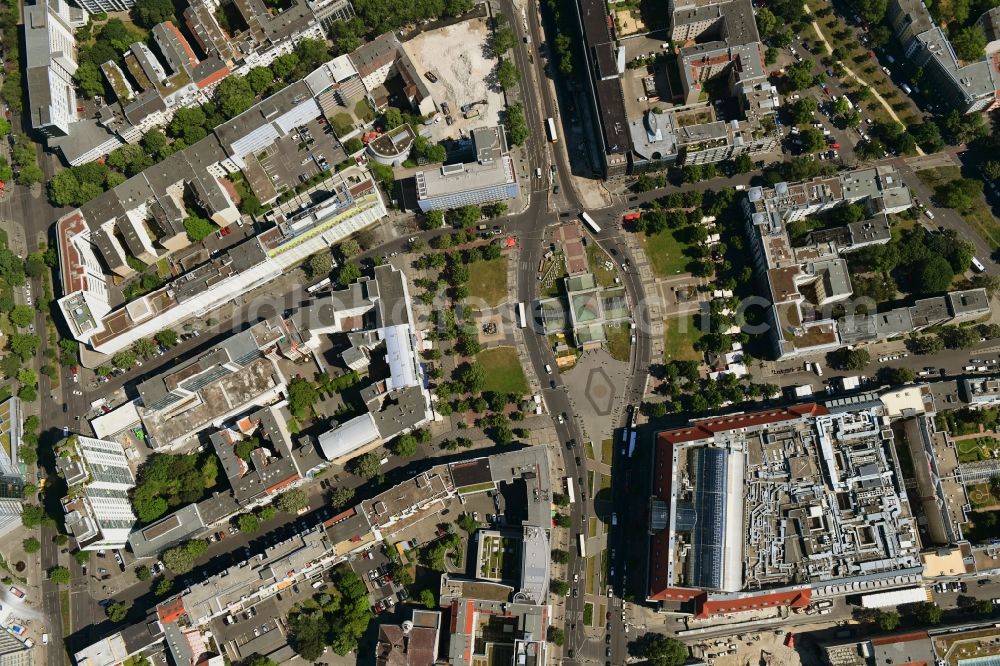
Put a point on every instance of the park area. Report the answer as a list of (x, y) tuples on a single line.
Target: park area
[(503, 371), (679, 336), (983, 495), (977, 215), (980, 448), (488, 281), (665, 253)]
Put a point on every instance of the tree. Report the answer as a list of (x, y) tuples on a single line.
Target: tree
[(925, 344), (556, 635), (163, 587), (348, 274), (59, 575), (350, 248), (473, 377), (433, 219), (928, 613), (664, 650), (517, 126), (559, 587), (504, 40), (293, 501), (234, 96), (302, 395), (32, 515), (895, 376), (31, 545), (198, 228), (849, 359), (124, 360), (82, 557), (148, 13), (969, 43), (259, 78), (142, 572), (367, 466), (991, 169), (180, 559), (167, 337), (144, 347), (812, 140), (405, 446), (427, 599), (341, 497), (319, 264), (266, 513), (116, 611), (803, 110), (799, 75), (22, 315), (507, 74), (933, 275), (560, 556), (248, 523), (887, 620)]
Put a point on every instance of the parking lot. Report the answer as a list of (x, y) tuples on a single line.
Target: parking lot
[(304, 153)]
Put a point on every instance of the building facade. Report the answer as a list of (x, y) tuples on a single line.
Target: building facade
[(492, 177), (50, 57)]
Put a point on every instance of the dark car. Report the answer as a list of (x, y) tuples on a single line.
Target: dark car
[(607, 638), (578, 461)]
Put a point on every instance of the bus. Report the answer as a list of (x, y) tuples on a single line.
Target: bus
[(977, 265), (522, 320), (569, 490), (581, 545), (589, 221), (551, 126)]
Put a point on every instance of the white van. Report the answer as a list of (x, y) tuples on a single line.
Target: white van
[(538, 172), (548, 368)]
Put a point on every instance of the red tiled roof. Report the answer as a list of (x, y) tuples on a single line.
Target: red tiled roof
[(73, 272), (281, 484), (709, 427), (169, 611), (791, 598), (213, 78)]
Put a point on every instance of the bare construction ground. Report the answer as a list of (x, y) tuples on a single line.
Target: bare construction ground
[(459, 57)]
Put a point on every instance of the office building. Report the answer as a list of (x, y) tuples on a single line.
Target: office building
[(50, 59), (97, 506), (605, 65), (490, 178), (831, 517)]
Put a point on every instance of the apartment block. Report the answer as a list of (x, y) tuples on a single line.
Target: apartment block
[(966, 86), (98, 510), (50, 59)]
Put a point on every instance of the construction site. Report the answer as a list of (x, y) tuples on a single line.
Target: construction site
[(463, 83)]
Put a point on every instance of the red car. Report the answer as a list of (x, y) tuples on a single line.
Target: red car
[(835, 145)]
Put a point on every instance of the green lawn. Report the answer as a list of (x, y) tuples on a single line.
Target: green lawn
[(619, 341), (665, 253), (605, 481), (980, 448), (596, 257), (488, 281), (588, 449), (588, 612), (503, 371), (607, 451), (979, 217), (679, 336), (590, 581)]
